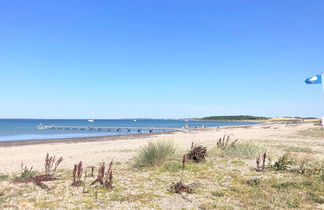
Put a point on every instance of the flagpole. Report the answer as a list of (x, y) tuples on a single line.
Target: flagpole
[(323, 94)]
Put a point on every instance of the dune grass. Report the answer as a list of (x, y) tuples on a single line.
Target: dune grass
[(315, 133), (155, 153), (244, 150)]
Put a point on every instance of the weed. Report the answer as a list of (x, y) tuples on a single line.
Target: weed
[(104, 177), (197, 153), (293, 202), (285, 185), (260, 160), (51, 164), (180, 187), (77, 174), (253, 182), (283, 163), (4, 177), (108, 177), (26, 172), (315, 197), (172, 166), (218, 193), (320, 173), (222, 143)]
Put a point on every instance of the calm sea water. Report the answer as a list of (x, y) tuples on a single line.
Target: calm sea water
[(26, 129)]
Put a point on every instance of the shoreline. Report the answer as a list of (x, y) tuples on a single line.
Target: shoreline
[(109, 138), (80, 139)]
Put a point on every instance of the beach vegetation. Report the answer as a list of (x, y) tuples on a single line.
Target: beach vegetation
[(197, 153), (171, 166), (104, 177), (254, 182), (261, 162), (315, 133), (243, 150), (26, 172), (77, 174), (51, 164), (224, 142), (218, 193), (234, 117), (298, 149), (155, 153), (283, 163), (180, 187), (4, 177), (315, 197)]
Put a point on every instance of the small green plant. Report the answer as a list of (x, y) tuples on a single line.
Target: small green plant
[(285, 185), (293, 202), (283, 163), (4, 177), (26, 172), (172, 166), (315, 197), (321, 173), (253, 182), (218, 193), (155, 153)]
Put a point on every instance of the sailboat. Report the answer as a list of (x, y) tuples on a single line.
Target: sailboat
[(91, 120)]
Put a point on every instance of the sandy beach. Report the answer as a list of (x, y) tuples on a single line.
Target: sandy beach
[(123, 148), (148, 188)]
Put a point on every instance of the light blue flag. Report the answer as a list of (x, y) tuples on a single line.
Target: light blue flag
[(317, 79)]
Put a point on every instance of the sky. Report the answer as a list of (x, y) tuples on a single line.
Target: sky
[(160, 59)]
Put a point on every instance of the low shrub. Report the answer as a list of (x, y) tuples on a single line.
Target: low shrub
[(180, 187), (197, 153), (283, 163), (155, 153)]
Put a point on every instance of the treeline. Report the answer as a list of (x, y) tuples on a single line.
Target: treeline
[(236, 117)]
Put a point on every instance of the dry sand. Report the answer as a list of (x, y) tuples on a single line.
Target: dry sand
[(122, 149)]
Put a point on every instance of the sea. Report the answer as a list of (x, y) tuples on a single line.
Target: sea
[(27, 129)]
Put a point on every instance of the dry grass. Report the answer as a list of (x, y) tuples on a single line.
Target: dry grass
[(315, 133)]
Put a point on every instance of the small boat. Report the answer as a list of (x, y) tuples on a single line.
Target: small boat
[(91, 121)]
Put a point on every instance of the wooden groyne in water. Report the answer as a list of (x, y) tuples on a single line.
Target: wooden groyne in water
[(107, 129)]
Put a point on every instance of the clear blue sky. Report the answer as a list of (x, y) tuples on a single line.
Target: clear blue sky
[(160, 59)]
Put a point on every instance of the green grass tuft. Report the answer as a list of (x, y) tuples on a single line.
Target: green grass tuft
[(155, 153), (4, 177), (243, 150)]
